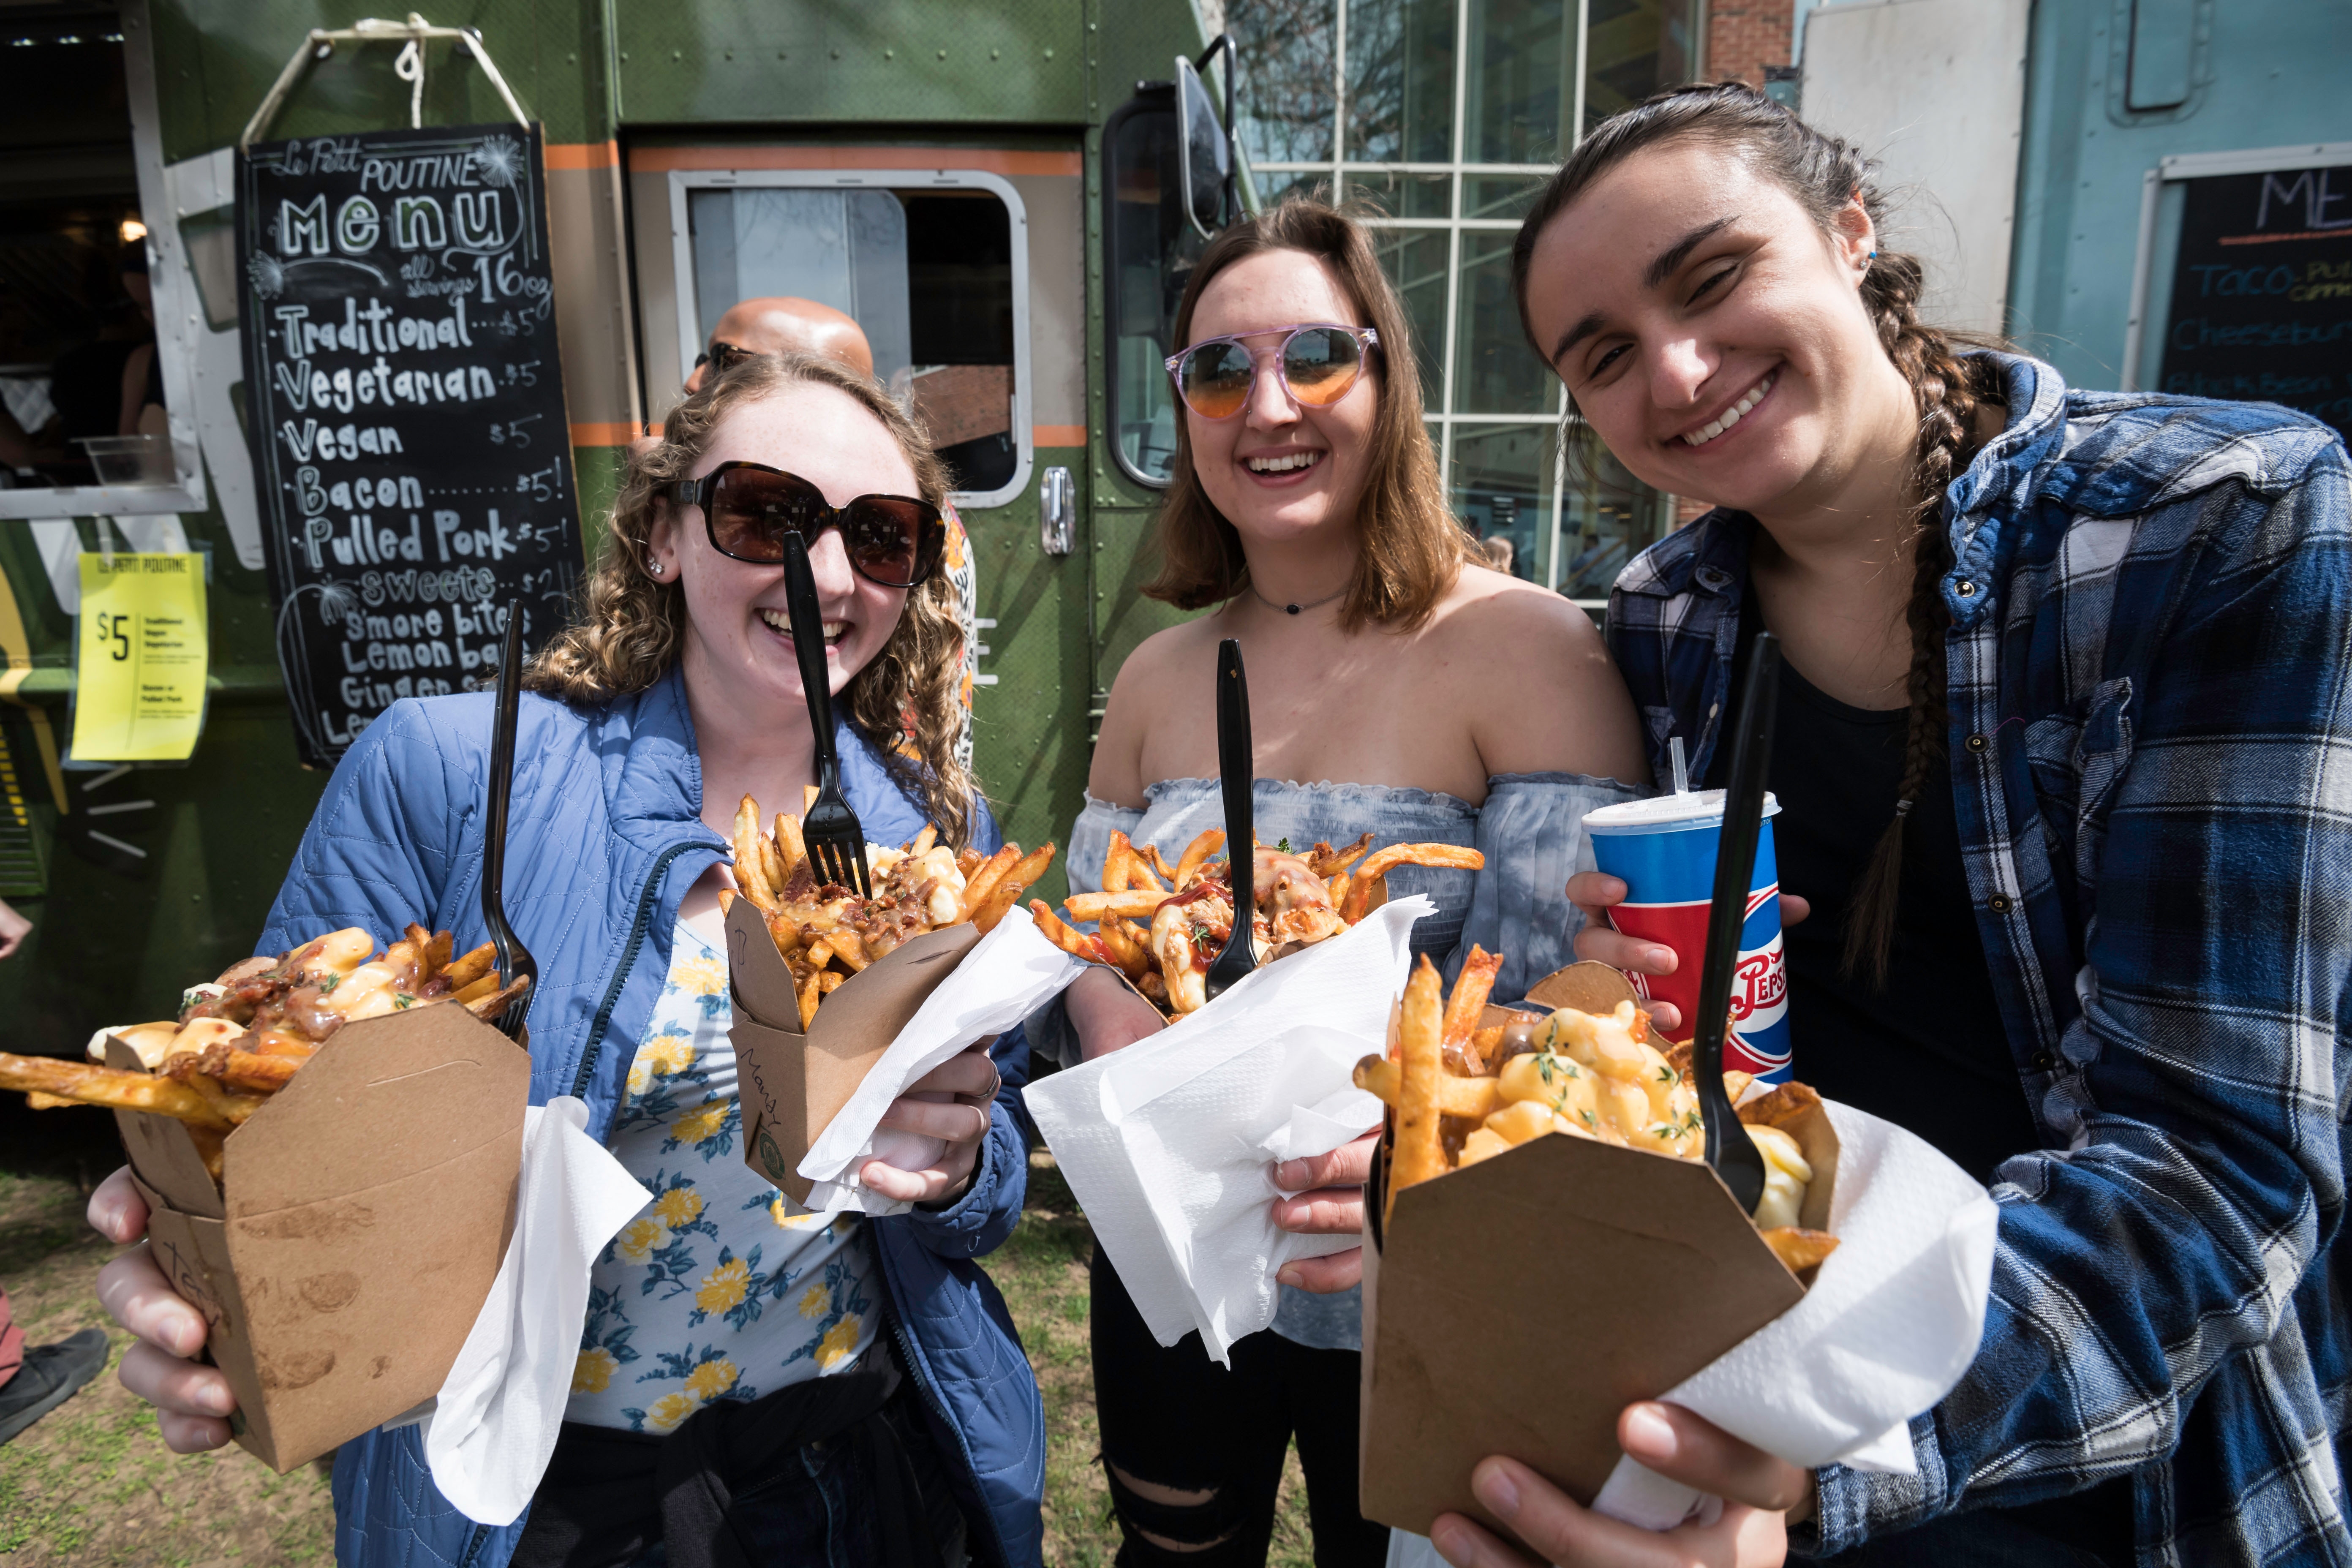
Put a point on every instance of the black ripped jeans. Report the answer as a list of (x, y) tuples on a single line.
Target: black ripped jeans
[(1172, 1417)]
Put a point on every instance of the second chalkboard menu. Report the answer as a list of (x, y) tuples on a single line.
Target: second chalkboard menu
[(405, 404), (2261, 292)]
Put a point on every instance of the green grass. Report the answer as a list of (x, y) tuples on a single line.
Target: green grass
[(91, 1484)]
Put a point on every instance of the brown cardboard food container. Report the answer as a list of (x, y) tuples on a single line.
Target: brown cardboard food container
[(360, 1220), (1517, 1306), (792, 1083)]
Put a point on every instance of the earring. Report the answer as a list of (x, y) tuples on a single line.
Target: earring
[(653, 565), (1872, 256)]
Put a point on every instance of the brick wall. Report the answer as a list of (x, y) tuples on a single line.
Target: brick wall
[(1743, 37)]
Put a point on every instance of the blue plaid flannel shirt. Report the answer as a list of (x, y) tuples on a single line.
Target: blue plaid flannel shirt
[(2150, 687)]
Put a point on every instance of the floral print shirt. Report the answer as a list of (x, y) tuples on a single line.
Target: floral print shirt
[(716, 1291)]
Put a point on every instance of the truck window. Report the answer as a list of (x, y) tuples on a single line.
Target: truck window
[(1152, 249), (928, 273)]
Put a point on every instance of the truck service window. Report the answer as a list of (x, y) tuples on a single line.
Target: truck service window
[(929, 274), (1152, 249)]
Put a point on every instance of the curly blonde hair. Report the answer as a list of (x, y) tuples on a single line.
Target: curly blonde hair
[(626, 631)]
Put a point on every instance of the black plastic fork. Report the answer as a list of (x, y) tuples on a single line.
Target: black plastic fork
[(835, 839), (1730, 1149), (1237, 772), (515, 960)]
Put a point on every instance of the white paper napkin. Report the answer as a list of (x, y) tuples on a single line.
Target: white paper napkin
[(1891, 1323), (1008, 974), (1170, 1144), (494, 1423)]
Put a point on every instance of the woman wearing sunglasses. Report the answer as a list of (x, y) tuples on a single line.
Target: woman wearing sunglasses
[(1409, 694), (751, 1385)]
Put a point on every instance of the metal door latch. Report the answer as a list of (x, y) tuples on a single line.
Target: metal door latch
[(1057, 513)]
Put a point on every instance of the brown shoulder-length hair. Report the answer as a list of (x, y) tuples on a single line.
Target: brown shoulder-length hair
[(1411, 549), (628, 623)]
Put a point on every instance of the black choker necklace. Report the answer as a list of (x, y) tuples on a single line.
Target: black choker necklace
[(1292, 609)]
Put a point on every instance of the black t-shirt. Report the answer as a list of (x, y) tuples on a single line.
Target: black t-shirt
[(1927, 1051)]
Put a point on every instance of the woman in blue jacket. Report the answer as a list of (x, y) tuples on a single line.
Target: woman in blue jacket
[(812, 1380)]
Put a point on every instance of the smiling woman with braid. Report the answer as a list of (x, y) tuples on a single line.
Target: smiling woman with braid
[(2067, 692)]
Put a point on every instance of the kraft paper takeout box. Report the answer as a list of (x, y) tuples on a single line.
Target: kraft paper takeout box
[(792, 1083), (1517, 1306), (361, 1217)]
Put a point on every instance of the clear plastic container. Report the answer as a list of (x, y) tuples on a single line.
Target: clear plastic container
[(129, 459)]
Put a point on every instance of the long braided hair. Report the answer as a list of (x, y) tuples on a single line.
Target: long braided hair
[(628, 624), (1823, 173)]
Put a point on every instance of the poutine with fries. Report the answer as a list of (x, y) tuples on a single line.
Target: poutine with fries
[(1161, 925), (826, 933)]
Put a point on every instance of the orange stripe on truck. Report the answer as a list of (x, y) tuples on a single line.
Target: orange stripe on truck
[(582, 154), (988, 160)]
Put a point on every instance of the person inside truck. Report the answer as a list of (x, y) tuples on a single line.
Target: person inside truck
[(808, 1392), (1306, 515), (2060, 757)]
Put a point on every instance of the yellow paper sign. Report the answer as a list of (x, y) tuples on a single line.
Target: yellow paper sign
[(140, 671)]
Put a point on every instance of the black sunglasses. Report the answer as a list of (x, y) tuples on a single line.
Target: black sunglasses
[(722, 357), (749, 508)]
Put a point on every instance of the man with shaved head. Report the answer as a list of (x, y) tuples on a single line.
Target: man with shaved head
[(781, 325)]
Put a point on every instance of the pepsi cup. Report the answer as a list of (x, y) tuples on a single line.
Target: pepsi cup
[(1664, 851)]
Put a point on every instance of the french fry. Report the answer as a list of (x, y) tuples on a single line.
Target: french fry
[(1009, 886), (483, 985), (968, 861), (257, 1074), (229, 1107), (1140, 873), (726, 902), (829, 981), (1196, 855), (1365, 894), (772, 861), (1476, 984), (1068, 938), (1328, 862), (1382, 862), (750, 866), (417, 935), (488, 1008), (1457, 1096), (1133, 905), (87, 1084), (1160, 864), (1115, 873), (433, 956), (808, 798), (464, 971), (847, 946), (981, 883), (1125, 947), (41, 1099), (791, 847), (809, 994), (1799, 1248), (210, 1148), (1420, 1149), (921, 843)]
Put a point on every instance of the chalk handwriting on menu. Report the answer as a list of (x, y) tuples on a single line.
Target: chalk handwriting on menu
[(405, 404)]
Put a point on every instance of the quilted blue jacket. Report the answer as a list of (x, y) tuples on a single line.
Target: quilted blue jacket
[(604, 838)]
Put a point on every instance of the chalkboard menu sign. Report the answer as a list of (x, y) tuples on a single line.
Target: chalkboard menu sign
[(404, 403), (2261, 292)]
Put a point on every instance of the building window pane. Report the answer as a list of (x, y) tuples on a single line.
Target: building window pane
[(1502, 491), (1273, 185), (1495, 371), (1521, 54), (1500, 195), (1287, 50), (1414, 260), (1610, 518), (1404, 195), (1401, 80), (1635, 49)]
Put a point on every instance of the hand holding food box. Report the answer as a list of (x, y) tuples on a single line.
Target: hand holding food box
[(328, 1157), (842, 1001), (1815, 1343)]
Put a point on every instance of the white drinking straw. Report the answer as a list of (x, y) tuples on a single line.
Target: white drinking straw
[(1682, 777)]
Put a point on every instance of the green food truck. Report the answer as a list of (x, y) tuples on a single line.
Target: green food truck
[(1005, 197)]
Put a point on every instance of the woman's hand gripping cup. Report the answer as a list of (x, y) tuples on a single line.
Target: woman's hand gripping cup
[(1594, 893), (1761, 1497), (193, 1402)]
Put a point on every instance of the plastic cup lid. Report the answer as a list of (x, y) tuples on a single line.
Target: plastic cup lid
[(1666, 813)]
